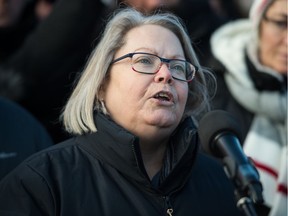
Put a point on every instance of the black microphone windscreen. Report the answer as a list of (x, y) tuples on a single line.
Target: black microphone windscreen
[(215, 123)]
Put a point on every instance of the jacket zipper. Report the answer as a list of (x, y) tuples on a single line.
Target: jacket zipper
[(169, 209)]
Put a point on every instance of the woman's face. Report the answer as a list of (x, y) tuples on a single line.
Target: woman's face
[(10, 11), (150, 5), (132, 98), (273, 37)]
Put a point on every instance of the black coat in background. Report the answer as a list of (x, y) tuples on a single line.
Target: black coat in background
[(21, 135)]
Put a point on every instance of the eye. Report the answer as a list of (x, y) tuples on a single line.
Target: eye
[(281, 24), (143, 60), (178, 67)]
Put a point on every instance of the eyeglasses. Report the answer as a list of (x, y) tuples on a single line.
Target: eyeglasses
[(148, 63), (280, 25)]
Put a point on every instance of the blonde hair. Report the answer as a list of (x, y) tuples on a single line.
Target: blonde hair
[(78, 112)]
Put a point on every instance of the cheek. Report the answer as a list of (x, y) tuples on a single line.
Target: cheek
[(113, 92), (267, 45), (268, 41), (123, 91), (182, 95)]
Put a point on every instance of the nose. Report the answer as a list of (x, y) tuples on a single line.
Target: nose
[(163, 75)]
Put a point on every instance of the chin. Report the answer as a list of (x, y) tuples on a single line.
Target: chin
[(284, 72), (165, 121), (282, 69)]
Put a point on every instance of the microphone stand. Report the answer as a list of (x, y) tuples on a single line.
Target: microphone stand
[(246, 205), (248, 188)]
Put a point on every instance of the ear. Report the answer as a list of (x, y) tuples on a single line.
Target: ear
[(102, 90), (101, 94)]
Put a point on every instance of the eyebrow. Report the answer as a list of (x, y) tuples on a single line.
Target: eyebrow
[(281, 16), (148, 50)]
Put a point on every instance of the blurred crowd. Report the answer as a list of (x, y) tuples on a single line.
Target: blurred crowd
[(44, 45)]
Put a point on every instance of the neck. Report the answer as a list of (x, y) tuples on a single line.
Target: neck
[(153, 154)]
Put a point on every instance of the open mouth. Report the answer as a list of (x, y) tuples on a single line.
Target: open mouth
[(164, 96)]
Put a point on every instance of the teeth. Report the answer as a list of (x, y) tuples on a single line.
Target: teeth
[(162, 95)]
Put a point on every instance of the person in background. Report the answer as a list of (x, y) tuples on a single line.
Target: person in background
[(201, 17), (135, 148), (254, 88), (231, 10), (18, 19), (21, 135), (46, 63), (149, 6)]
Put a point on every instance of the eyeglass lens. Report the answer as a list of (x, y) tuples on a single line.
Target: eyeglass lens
[(150, 64)]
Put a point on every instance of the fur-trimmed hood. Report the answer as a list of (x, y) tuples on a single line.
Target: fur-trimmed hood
[(229, 44)]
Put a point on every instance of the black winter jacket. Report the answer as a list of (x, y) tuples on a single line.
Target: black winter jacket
[(103, 174)]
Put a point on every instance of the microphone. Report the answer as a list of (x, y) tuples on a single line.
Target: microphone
[(220, 137)]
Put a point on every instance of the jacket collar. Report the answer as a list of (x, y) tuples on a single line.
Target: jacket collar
[(120, 149)]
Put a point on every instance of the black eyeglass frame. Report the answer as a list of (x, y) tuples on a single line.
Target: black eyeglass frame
[(163, 60)]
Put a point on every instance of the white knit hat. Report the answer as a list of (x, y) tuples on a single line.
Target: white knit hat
[(257, 10)]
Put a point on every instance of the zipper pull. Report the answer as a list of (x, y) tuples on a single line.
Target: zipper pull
[(169, 211), (169, 206)]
